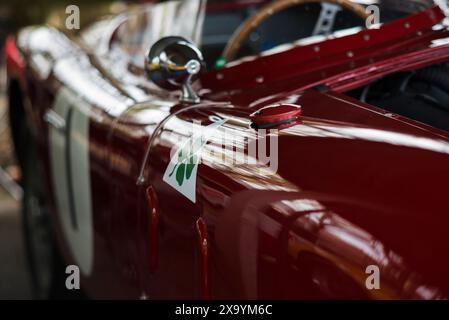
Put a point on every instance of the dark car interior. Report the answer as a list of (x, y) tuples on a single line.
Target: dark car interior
[(284, 27), (422, 95)]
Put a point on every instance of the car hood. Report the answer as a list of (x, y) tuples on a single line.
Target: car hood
[(383, 175)]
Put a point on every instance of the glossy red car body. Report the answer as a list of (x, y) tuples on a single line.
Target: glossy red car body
[(355, 185)]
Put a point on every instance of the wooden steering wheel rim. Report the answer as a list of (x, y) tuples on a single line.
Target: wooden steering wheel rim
[(272, 8)]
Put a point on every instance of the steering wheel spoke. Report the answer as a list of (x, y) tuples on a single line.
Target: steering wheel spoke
[(326, 20)]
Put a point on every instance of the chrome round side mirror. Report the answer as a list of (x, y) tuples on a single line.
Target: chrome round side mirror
[(172, 63)]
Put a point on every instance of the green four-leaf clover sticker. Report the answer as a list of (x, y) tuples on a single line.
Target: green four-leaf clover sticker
[(185, 165)]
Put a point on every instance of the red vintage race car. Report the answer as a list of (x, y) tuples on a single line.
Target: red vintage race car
[(238, 150)]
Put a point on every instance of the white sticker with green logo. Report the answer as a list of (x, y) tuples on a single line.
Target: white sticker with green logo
[(182, 170)]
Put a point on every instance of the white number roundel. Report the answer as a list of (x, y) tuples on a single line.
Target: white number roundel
[(69, 156)]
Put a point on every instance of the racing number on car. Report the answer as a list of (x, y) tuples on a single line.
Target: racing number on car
[(69, 156)]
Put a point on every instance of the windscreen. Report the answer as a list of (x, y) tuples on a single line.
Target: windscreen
[(210, 24)]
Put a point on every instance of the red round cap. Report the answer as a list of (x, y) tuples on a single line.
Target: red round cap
[(278, 113)]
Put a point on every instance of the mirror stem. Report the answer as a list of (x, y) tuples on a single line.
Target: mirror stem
[(188, 94)]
